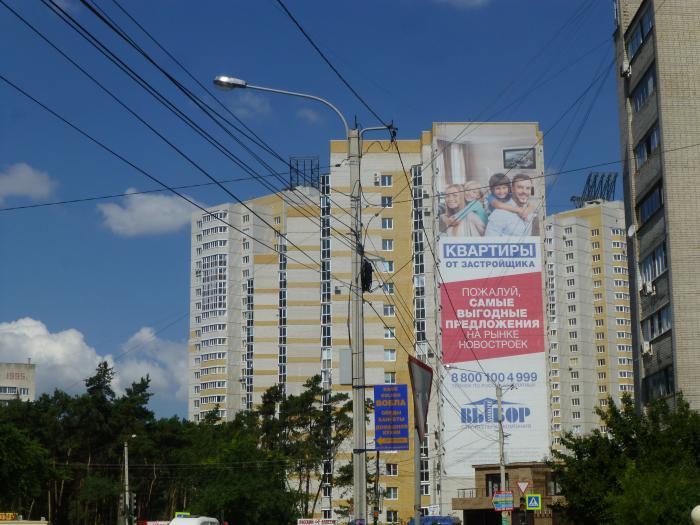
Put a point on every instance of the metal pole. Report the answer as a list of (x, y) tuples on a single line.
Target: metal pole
[(375, 511), (127, 512), (416, 476), (501, 446), (357, 341)]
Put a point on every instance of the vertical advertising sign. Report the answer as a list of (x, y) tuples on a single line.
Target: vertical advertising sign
[(490, 188)]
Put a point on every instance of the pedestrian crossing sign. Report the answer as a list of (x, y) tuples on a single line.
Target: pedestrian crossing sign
[(533, 502)]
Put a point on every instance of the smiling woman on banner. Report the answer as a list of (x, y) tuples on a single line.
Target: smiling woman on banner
[(464, 214)]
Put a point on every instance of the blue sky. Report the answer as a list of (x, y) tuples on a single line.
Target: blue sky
[(79, 282)]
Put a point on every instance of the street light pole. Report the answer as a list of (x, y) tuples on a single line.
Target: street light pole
[(357, 328), (126, 483)]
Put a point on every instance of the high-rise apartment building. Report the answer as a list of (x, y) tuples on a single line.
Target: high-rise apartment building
[(658, 55), (17, 381), (270, 299), (588, 314)]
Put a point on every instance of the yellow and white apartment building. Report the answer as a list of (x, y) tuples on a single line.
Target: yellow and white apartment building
[(588, 315), (277, 312)]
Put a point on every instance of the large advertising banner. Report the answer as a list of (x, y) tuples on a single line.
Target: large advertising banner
[(490, 187)]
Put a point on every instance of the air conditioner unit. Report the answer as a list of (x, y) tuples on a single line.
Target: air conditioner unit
[(625, 69), (377, 178), (337, 290), (648, 288), (647, 349), (426, 195), (427, 212)]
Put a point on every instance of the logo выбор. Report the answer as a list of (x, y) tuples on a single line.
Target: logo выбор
[(486, 411)]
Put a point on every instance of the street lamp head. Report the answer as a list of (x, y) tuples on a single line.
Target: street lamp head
[(225, 82)]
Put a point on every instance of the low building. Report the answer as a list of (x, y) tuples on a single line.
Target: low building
[(476, 503), (17, 381)]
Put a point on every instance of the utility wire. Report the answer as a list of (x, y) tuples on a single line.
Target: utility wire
[(330, 64), (152, 177)]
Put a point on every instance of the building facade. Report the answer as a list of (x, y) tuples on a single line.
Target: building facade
[(658, 55), (17, 381), (270, 302), (588, 314)]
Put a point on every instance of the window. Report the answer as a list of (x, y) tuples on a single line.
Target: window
[(603, 402), (389, 288), (388, 266), (647, 146), (387, 223), (569, 243), (573, 335), (386, 181), (600, 336), (571, 282), (389, 333), (572, 308), (327, 513), (596, 258), (601, 362), (596, 270), (555, 386), (278, 220), (640, 33), (571, 295), (595, 245), (388, 245), (600, 349), (392, 469), (575, 388), (389, 310), (569, 256), (568, 230), (389, 354), (654, 264), (245, 218), (657, 323), (595, 232), (576, 415), (602, 389), (573, 348), (389, 378), (575, 401), (600, 322), (392, 493), (572, 321), (556, 413), (387, 202), (574, 374), (555, 400), (599, 296), (569, 269), (597, 284)]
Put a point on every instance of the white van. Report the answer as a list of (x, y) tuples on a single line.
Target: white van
[(195, 520)]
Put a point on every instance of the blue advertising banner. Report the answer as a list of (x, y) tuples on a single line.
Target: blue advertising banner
[(391, 426)]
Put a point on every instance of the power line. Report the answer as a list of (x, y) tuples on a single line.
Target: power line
[(330, 64), (152, 177)]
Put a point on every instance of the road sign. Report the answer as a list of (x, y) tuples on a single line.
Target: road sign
[(523, 485), (533, 502), (391, 417), (502, 500), (421, 380)]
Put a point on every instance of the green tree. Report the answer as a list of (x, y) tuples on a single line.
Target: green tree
[(24, 469), (643, 470)]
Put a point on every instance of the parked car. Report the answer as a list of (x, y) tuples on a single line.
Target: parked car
[(194, 520)]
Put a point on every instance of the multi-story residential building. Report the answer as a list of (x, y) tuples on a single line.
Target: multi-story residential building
[(259, 290), (588, 314), (658, 55), (17, 381)]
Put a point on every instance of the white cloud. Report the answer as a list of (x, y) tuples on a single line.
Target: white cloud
[(309, 115), (146, 214), (164, 361), (246, 104), (64, 359), (21, 180), (464, 4)]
